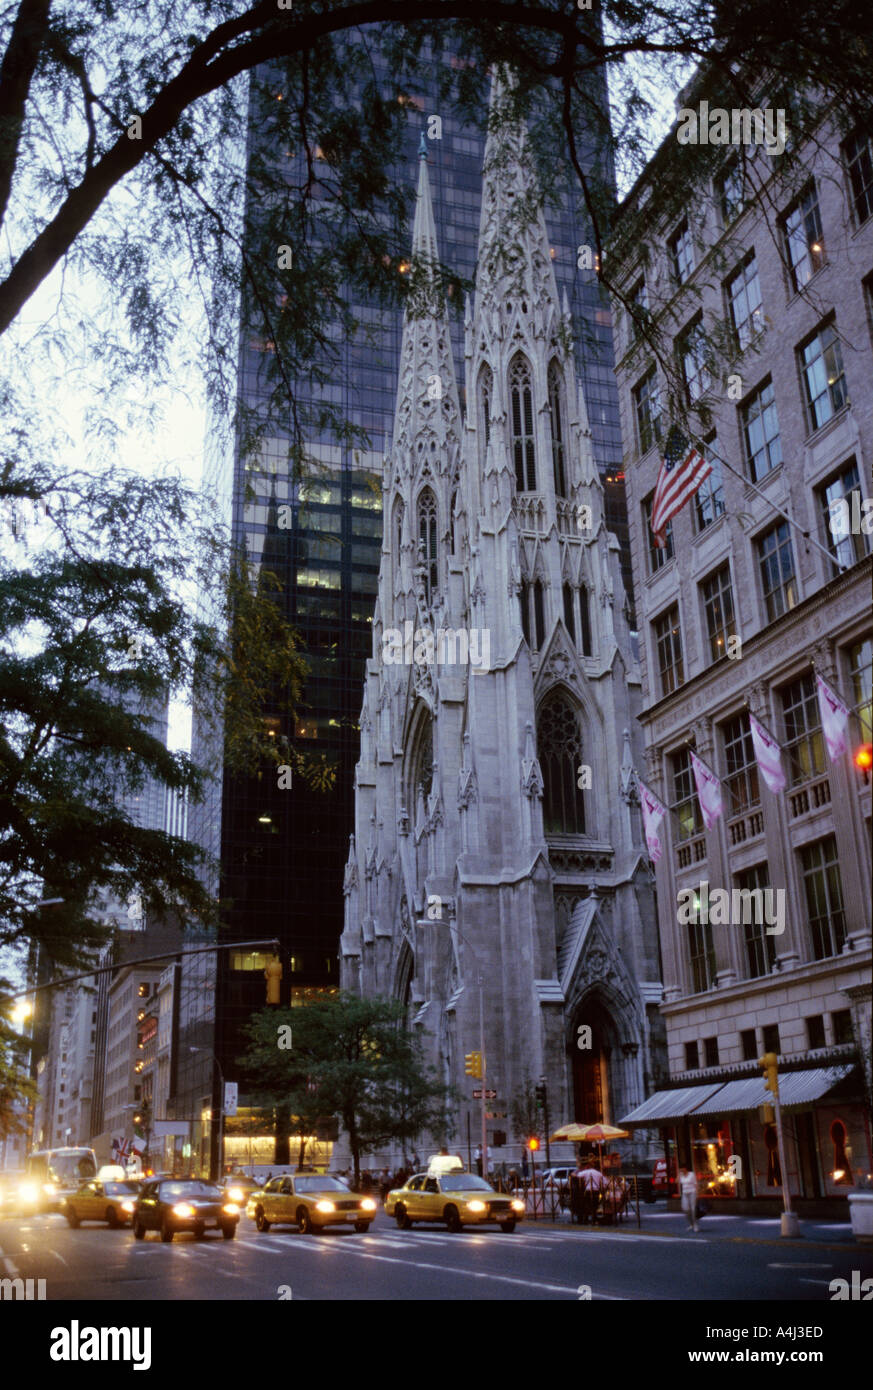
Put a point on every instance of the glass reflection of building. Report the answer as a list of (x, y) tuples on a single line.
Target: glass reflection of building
[(282, 851)]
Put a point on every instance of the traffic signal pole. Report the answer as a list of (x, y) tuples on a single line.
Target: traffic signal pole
[(769, 1064), (484, 1078)]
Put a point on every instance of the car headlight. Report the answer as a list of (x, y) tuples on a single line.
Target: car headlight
[(127, 1208), (49, 1188), (236, 1194), (475, 1205), (183, 1209), (231, 1208), (28, 1192), (368, 1204), (325, 1206), (517, 1206)]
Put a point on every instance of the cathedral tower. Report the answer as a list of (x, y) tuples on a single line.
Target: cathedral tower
[(497, 835)]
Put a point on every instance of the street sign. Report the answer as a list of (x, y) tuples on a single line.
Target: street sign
[(230, 1097), (489, 1095)]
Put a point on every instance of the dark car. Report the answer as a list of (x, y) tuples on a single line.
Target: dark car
[(184, 1204), (238, 1187)]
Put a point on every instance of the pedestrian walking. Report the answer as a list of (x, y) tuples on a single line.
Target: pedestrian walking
[(688, 1195), (479, 1162), (524, 1166)]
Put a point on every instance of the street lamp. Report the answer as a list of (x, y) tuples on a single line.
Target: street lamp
[(210, 1053)]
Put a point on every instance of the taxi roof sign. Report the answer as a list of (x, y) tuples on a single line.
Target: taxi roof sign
[(445, 1163)]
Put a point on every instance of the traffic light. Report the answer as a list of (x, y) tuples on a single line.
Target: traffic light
[(473, 1064), (863, 757), (273, 974), (769, 1065), (540, 1094), (533, 1143)]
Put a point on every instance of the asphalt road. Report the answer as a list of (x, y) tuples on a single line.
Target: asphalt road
[(537, 1261)]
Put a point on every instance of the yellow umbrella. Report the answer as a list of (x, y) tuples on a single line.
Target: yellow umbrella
[(593, 1134)]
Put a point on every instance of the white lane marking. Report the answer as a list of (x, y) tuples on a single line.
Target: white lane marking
[(827, 1282), (454, 1269), (10, 1267), (60, 1257), (800, 1266)]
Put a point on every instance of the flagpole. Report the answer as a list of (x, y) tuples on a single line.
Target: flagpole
[(843, 569)]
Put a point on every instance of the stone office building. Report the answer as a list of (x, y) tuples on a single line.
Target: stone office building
[(756, 290)]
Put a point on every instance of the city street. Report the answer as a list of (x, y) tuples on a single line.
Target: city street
[(539, 1261)]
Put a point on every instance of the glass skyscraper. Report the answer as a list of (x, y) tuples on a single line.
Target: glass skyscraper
[(282, 851)]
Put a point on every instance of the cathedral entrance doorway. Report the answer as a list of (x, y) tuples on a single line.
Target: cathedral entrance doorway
[(593, 1043)]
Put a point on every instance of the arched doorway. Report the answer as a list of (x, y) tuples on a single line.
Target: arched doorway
[(592, 1053)]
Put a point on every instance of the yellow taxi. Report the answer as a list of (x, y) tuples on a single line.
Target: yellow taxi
[(109, 1201), (458, 1199), (309, 1201)]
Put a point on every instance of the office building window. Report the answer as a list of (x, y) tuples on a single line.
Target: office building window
[(749, 1045), (559, 748), (731, 189), (427, 538), (804, 243), (742, 768), (861, 676), (815, 1031), (759, 946), (556, 409), (843, 536), (744, 301), (701, 956), (681, 252), (692, 1057), (647, 410), (771, 1038), (710, 1052), (761, 437), (824, 897), (709, 502), (841, 1022), (658, 554), (638, 299), (521, 407), (718, 608), (691, 352), (668, 646), (824, 379), (858, 153), (776, 565), (689, 821), (803, 743)]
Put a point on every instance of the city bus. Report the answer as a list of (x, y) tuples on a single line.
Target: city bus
[(51, 1175)]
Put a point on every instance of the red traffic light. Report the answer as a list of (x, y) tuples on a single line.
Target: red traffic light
[(533, 1144), (864, 757)]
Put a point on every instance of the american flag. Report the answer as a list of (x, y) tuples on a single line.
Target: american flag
[(683, 469)]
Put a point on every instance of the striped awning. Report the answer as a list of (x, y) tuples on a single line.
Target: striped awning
[(796, 1089)]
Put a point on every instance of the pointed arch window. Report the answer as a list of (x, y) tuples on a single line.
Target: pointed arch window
[(525, 610), (421, 767), (427, 535), (570, 610), (559, 748), (585, 615), (398, 529), (486, 392), (452, 530), (539, 606), (556, 409), (521, 405), (533, 613)]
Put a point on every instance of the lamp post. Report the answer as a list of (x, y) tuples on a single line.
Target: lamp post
[(480, 981), (220, 1109)]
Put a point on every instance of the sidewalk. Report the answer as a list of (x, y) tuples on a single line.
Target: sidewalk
[(655, 1220)]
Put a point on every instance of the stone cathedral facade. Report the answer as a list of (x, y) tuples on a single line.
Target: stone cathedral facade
[(497, 828)]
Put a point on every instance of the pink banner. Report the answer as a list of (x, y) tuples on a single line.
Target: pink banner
[(708, 791), (768, 755), (834, 718), (653, 814)]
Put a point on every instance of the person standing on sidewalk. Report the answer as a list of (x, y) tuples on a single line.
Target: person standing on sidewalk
[(688, 1195)]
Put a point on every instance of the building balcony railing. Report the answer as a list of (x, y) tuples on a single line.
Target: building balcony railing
[(691, 852), (745, 827), (809, 797)]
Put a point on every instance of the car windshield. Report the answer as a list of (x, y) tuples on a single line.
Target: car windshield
[(465, 1182), (120, 1189), (316, 1184), (188, 1189), (69, 1169)]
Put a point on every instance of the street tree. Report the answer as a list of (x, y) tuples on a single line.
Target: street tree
[(351, 1058)]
